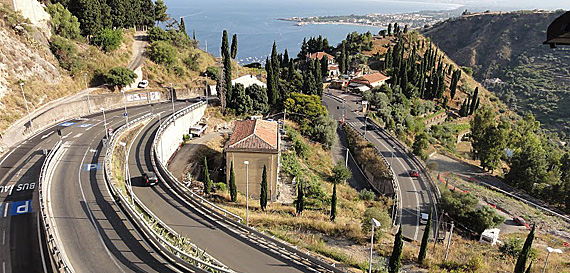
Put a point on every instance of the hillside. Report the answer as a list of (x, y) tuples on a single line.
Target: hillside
[(506, 53)]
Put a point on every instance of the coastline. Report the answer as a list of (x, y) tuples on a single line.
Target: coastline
[(304, 23)]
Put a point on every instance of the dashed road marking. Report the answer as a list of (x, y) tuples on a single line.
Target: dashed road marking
[(46, 136)]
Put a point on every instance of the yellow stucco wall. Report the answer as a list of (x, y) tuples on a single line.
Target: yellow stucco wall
[(256, 162)]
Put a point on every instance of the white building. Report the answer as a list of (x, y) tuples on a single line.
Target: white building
[(249, 80)]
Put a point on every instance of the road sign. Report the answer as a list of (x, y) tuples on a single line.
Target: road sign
[(67, 124), (20, 207), (125, 114)]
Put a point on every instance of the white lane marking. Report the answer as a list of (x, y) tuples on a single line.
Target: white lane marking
[(6, 157), (6, 210), (413, 185), (46, 136), (90, 127), (78, 135), (91, 217), (4, 267), (66, 136)]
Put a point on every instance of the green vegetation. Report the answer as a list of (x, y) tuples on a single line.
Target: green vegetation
[(233, 187), (120, 77), (524, 254), (163, 53), (396, 257), (465, 210), (66, 53), (63, 22), (108, 39), (425, 239), (207, 180), (263, 194)]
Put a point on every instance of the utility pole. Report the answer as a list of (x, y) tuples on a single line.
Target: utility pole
[(448, 242), (346, 159), (126, 114), (437, 230), (172, 97)]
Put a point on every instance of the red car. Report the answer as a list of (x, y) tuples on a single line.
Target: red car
[(519, 221), (414, 173)]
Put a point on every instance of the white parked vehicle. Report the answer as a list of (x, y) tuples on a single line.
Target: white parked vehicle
[(424, 218)]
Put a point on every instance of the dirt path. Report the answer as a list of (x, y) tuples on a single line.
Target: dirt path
[(180, 161)]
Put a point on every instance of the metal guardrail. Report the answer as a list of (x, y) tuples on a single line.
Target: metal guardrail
[(53, 243), (201, 263), (231, 221)]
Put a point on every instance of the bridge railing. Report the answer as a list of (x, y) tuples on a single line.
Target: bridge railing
[(60, 263), (196, 261), (234, 223)]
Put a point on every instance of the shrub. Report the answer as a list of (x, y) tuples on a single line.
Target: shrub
[(178, 71), (213, 72), (221, 187), (161, 52), (366, 195), (63, 22), (157, 34), (192, 62), (108, 39), (120, 77), (65, 52), (378, 214)]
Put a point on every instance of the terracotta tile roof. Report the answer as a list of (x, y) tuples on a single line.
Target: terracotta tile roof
[(320, 55), (254, 134), (371, 78)]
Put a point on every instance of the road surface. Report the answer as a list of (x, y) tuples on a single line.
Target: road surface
[(414, 192)]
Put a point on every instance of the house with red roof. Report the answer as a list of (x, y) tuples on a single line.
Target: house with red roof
[(368, 81), (320, 55), (258, 143)]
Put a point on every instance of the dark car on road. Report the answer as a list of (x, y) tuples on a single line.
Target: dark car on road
[(519, 221), (414, 173), (149, 179)]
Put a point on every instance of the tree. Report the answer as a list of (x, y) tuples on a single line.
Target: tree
[(529, 267), (425, 239), (304, 50), (523, 256), (395, 260), (389, 29), (93, 15), (207, 181), (157, 34), (492, 147), (474, 101), (234, 48), (65, 52), (300, 202), (242, 103), (120, 77), (183, 26), (263, 195), (227, 61), (483, 120), (161, 52), (324, 66), (63, 22), (108, 39), (421, 143), (333, 203), (258, 97), (233, 187), (160, 11)]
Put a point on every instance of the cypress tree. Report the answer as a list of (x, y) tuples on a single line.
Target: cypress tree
[(304, 50), (285, 63), (225, 44), (233, 187), (425, 240), (300, 202), (194, 35), (318, 78), (474, 101), (333, 203), (325, 66), (395, 260), (529, 267), (207, 181), (183, 26), (271, 84), (389, 29), (523, 255), (234, 48), (342, 59), (263, 196)]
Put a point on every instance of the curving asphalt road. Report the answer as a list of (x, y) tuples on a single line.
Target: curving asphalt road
[(95, 235), (234, 251), (414, 192)]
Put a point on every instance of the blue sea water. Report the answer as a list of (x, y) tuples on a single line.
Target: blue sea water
[(255, 21)]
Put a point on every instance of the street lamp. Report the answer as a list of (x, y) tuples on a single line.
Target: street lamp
[(127, 172), (87, 88), (375, 223), (172, 96), (550, 250), (27, 109), (246, 192), (126, 114), (105, 122)]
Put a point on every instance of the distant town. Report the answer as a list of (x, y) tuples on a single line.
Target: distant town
[(413, 20)]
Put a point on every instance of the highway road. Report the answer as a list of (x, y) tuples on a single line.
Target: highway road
[(232, 250), (414, 192), (95, 234)]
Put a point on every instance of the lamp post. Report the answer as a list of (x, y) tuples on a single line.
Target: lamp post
[(127, 173), (126, 114), (375, 223), (105, 122), (246, 192), (27, 109), (87, 88), (550, 250), (172, 97)]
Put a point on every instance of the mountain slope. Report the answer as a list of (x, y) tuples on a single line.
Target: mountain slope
[(506, 53)]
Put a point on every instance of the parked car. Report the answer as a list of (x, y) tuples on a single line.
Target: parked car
[(149, 179), (414, 173), (424, 218), (143, 84), (519, 221)]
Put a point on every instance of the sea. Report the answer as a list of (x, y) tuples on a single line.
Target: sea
[(257, 26)]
